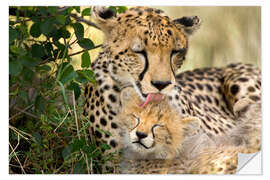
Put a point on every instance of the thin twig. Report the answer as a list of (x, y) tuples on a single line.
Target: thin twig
[(20, 133), (27, 113), (62, 120), (17, 158), (15, 115), (79, 52), (80, 19)]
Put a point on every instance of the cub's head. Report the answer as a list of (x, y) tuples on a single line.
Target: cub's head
[(146, 47), (154, 131)]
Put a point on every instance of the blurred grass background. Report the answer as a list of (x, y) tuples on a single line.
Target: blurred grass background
[(227, 35)]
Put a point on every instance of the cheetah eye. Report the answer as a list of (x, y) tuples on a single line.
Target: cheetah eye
[(181, 52), (137, 120), (153, 127), (142, 52)]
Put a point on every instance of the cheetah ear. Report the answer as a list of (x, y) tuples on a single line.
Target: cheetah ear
[(104, 18), (192, 125), (188, 24)]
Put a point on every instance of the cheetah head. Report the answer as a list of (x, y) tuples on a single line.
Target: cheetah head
[(145, 47), (154, 131)]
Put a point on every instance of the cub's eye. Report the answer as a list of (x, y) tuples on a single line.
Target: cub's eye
[(137, 121), (154, 127)]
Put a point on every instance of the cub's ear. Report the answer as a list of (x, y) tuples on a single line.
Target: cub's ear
[(188, 24), (192, 125), (104, 17)]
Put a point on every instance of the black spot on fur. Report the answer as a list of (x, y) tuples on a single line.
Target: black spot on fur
[(234, 89), (251, 89), (243, 79), (216, 101), (169, 32), (208, 99), (199, 86), (207, 126), (98, 134), (112, 112), (114, 125), (92, 107), (103, 121), (92, 118), (113, 143), (255, 98), (209, 87), (97, 113), (97, 103), (112, 98)]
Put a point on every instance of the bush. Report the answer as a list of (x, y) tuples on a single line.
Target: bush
[(47, 132)]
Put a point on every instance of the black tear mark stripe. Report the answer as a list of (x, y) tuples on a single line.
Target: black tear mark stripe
[(145, 66)]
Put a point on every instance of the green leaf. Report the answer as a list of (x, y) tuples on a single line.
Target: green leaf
[(88, 148), (79, 30), (66, 152), (61, 19), (23, 95), (46, 26), (15, 67), (27, 74), (12, 34), (77, 8), (78, 144), (113, 8), (68, 74), (63, 92), (86, 12), (86, 43), (29, 61), (52, 9), (85, 63), (44, 68), (64, 33), (38, 50), (35, 30), (105, 146), (76, 88), (40, 103), (85, 76), (79, 168), (121, 9), (37, 138)]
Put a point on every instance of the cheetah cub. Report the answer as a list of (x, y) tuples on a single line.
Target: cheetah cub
[(156, 140)]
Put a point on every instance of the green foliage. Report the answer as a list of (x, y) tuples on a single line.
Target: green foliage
[(44, 88)]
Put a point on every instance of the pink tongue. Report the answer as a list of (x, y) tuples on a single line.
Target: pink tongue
[(151, 97)]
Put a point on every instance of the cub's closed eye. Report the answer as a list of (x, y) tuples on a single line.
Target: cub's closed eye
[(137, 120), (153, 127)]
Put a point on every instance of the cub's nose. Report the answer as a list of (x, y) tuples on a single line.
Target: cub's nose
[(160, 84), (141, 135)]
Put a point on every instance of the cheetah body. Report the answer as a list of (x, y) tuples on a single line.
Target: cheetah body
[(143, 49)]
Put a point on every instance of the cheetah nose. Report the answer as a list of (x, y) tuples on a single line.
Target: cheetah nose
[(141, 135), (160, 84)]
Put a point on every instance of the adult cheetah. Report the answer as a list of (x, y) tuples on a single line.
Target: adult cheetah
[(143, 48)]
